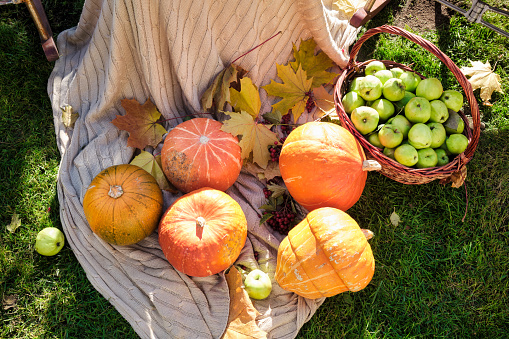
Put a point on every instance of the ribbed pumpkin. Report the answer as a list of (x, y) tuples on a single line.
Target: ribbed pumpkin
[(203, 232), (123, 204), (196, 154), (322, 166), (325, 254)]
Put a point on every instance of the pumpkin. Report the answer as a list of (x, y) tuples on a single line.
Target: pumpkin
[(123, 204), (325, 254), (323, 165), (196, 154), (203, 232)]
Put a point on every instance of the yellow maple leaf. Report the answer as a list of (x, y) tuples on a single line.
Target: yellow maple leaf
[(349, 7), (248, 99), (294, 90), (481, 76), (152, 164), (255, 137)]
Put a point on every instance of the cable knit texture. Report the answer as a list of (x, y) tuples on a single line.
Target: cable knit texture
[(169, 52)]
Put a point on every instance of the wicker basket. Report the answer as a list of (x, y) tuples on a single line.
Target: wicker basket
[(390, 167)]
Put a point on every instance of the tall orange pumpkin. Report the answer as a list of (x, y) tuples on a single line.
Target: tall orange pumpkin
[(325, 254), (203, 232), (123, 204), (322, 166), (196, 154)]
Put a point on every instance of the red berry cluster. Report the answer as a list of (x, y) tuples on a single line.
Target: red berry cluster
[(310, 103), (282, 219)]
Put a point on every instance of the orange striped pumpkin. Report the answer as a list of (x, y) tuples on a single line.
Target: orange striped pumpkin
[(196, 154), (325, 254)]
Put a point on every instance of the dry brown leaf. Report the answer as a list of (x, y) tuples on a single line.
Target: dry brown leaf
[(215, 97), (481, 76), (69, 117), (9, 301), (395, 219), (242, 317), (324, 101), (141, 123), (15, 223)]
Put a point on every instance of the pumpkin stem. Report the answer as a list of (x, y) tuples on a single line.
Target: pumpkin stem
[(367, 233), (204, 139), (200, 221), (371, 165), (116, 191)]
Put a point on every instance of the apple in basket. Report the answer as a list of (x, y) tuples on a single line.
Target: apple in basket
[(406, 155), (426, 158), (452, 99), (418, 109), (384, 107), (401, 123), (351, 101), (438, 134), (457, 143), (393, 89), (439, 111), (258, 284), (454, 124), (373, 67), (420, 136), (365, 119), (370, 88), (383, 75), (429, 88), (442, 157), (411, 80), (390, 136)]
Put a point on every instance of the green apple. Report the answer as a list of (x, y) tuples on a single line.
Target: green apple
[(457, 143), (393, 89), (442, 157), (452, 99), (439, 112), (384, 107), (417, 110), (49, 241), (406, 155), (365, 119), (396, 72), (427, 158), (370, 87), (354, 85), (383, 75), (374, 140), (258, 284), (351, 101), (438, 134), (401, 123), (389, 152), (430, 88), (419, 136), (411, 80), (454, 124), (390, 136), (444, 147), (373, 67), (399, 105)]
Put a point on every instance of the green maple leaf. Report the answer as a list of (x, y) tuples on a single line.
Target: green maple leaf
[(293, 90), (315, 65)]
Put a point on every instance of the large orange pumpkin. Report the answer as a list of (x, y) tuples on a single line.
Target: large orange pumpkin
[(203, 232), (196, 154), (325, 254), (123, 204), (322, 166)]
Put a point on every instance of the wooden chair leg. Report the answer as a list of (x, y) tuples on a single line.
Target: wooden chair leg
[(365, 14)]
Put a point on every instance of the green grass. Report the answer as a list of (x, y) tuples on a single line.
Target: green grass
[(436, 276)]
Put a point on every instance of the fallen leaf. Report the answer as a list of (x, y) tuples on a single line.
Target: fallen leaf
[(270, 172), (274, 116), (247, 99), (68, 116), (15, 223), (141, 123), (242, 316), (255, 137), (349, 7), (395, 219), (294, 90), (152, 164), (324, 101), (9, 301), (315, 66), (457, 179), (481, 76), (215, 97), (277, 190)]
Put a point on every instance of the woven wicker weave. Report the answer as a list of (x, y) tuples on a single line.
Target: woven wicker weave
[(390, 167)]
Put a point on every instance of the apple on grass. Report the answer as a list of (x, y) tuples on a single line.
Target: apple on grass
[(420, 136), (383, 75), (442, 157), (454, 124), (430, 88), (401, 123), (456, 143), (365, 119), (393, 89), (258, 284), (390, 136), (438, 134), (49, 241), (452, 99), (384, 107), (373, 67), (417, 110), (439, 111), (427, 158), (406, 155), (351, 101), (370, 88), (411, 80)]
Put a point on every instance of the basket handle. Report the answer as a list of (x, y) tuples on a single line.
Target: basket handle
[(430, 47)]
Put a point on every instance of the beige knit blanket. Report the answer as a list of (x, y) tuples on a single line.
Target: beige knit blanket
[(169, 51)]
